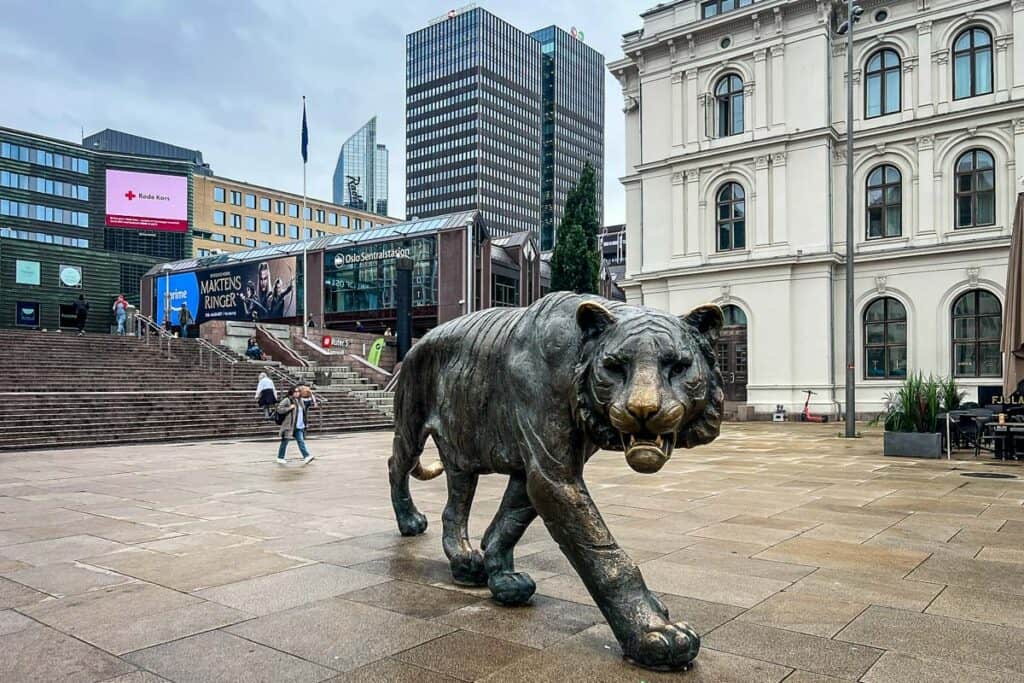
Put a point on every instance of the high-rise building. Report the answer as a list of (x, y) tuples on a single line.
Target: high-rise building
[(492, 113), (573, 123), (362, 165)]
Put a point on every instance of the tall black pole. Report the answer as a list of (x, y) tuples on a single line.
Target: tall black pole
[(851, 398), (403, 305)]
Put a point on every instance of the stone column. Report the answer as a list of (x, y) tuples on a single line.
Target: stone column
[(761, 80), (780, 227), (909, 104), (679, 227), (678, 112), (925, 188), (925, 107), (1002, 64), (748, 102), (761, 195), (693, 107), (693, 214), (1018, 154), (941, 60), (778, 88)]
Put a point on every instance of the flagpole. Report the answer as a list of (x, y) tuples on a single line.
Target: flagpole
[(305, 244)]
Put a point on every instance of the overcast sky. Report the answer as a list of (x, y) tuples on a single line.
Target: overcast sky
[(227, 77)]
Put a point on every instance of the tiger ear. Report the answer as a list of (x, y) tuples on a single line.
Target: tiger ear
[(593, 319), (707, 319)]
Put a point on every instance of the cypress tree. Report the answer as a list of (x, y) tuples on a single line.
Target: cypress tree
[(575, 262)]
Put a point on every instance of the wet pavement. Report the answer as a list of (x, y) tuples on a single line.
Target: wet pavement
[(799, 556)]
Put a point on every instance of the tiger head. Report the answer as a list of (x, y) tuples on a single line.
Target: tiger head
[(648, 381)]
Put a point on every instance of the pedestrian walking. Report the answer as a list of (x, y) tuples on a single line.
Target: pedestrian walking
[(120, 313), (266, 394), (81, 314), (184, 320), (293, 425)]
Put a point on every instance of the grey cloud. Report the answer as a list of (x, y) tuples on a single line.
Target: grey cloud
[(227, 76)]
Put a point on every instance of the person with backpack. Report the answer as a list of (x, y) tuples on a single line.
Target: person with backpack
[(120, 313), (291, 414), (81, 314), (184, 320), (266, 394)]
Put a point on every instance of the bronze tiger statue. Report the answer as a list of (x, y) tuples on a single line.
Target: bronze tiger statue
[(532, 393)]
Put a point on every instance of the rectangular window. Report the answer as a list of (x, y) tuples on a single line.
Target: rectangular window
[(280, 229), (236, 220), (265, 204), (320, 215), (218, 194), (264, 243), (279, 207), (235, 239), (344, 221), (236, 198), (219, 217), (293, 210), (357, 224), (332, 218), (217, 237), (264, 226), (293, 232), (308, 213), (250, 224), (250, 201), (307, 233), (250, 242), (26, 272)]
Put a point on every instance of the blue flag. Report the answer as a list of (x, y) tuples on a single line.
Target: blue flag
[(305, 133)]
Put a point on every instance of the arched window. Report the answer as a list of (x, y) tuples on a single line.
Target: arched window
[(729, 103), (882, 84), (977, 325), (734, 316), (975, 178), (885, 202), (731, 217), (972, 63), (885, 339)]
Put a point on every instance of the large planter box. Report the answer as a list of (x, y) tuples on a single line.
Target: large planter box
[(913, 444)]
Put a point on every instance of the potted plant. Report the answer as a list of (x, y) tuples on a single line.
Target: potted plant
[(911, 418)]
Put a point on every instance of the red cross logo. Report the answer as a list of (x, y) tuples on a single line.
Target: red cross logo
[(130, 195)]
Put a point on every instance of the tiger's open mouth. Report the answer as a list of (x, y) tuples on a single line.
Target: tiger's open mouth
[(647, 454)]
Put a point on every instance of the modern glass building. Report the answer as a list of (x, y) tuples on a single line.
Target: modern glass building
[(500, 121), (361, 174), (573, 123), (473, 115)]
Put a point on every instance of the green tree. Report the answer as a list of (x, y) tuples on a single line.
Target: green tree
[(570, 261), (575, 261)]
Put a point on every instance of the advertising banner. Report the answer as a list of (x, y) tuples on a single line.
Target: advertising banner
[(264, 290), (147, 201)]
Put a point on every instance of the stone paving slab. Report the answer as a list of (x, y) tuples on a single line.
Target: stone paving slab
[(796, 555)]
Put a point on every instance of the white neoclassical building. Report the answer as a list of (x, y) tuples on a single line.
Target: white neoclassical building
[(735, 186)]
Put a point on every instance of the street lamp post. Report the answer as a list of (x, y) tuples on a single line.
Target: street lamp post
[(853, 13)]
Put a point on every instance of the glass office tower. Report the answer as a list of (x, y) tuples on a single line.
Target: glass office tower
[(473, 118), (361, 165), (573, 123)]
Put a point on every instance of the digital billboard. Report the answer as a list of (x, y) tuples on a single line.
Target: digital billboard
[(147, 201), (264, 290)]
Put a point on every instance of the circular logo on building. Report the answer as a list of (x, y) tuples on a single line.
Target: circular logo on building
[(71, 276)]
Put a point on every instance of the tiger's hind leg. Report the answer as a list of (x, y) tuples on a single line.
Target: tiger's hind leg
[(467, 564), (514, 515), (404, 458)]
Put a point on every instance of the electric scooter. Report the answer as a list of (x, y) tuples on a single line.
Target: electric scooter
[(806, 415)]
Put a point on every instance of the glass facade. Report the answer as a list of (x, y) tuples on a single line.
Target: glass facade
[(362, 278), (573, 124), (473, 121), (361, 174)]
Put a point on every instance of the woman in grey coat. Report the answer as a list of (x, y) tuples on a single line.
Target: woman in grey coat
[(294, 409)]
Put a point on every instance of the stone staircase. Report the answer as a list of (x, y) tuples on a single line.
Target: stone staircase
[(61, 390), (343, 374)]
